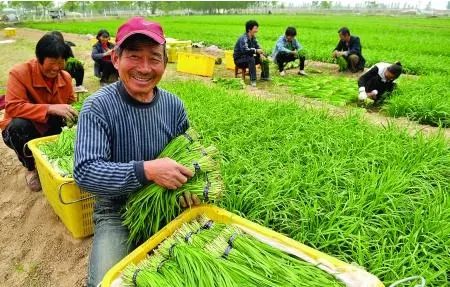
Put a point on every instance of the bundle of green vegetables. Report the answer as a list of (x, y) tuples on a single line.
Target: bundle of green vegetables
[(77, 106), (342, 63), (152, 207), (204, 253), (60, 153), (73, 63)]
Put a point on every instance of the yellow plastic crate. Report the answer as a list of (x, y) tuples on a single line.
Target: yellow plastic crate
[(352, 276), (229, 61), (172, 52), (178, 43), (196, 64), (9, 32), (73, 206)]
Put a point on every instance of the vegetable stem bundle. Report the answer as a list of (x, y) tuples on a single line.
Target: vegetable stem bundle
[(204, 253), (60, 153), (153, 206)]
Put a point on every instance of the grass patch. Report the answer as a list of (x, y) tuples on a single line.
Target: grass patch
[(426, 100), (377, 197)]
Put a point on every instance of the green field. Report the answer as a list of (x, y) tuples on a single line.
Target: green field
[(373, 196), (426, 99), (418, 42)]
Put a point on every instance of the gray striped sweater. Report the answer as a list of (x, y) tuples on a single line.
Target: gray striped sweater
[(116, 134)]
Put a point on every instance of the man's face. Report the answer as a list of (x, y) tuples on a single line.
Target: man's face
[(253, 31), (52, 66), (290, 38), (344, 37), (389, 76), (140, 69)]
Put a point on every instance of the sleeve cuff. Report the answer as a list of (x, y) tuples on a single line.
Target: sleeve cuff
[(362, 89), (139, 171)]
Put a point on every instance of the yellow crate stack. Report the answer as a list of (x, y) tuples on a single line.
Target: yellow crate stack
[(196, 64), (73, 206), (174, 46)]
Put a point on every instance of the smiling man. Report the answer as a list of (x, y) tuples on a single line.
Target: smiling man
[(38, 95), (121, 130)]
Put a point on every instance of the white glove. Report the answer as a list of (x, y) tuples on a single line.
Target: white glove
[(362, 94), (374, 92)]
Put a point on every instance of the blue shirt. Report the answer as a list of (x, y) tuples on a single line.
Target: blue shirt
[(283, 45), (116, 134)]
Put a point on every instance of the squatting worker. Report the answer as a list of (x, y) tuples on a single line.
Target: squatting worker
[(349, 47), (38, 97), (121, 130), (377, 80), (288, 49)]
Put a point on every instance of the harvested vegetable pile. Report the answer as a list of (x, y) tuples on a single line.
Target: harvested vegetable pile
[(204, 253), (60, 153), (152, 207), (336, 90)]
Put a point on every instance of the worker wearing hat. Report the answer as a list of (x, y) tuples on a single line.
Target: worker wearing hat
[(122, 128)]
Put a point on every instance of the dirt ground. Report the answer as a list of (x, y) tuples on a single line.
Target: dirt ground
[(35, 247)]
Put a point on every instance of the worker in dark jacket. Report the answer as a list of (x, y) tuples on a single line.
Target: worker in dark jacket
[(349, 47), (378, 80), (248, 53), (101, 54)]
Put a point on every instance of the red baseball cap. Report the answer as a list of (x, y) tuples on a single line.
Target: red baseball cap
[(138, 25)]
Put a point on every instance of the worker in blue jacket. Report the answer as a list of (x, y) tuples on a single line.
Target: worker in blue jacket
[(288, 49)]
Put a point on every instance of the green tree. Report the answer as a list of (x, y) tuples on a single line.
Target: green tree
[(71, 6), (325, 4)]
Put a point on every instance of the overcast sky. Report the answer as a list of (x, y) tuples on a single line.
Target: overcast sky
[(435, 4)]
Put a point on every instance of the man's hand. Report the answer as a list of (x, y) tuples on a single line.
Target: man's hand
[(108, 52), (259, 51), (63, 110), (373, 94), (336, 54), (188, 200), (295, 53), (362, 94), (167, 173)]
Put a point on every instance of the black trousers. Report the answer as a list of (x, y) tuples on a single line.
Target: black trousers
[(250, 62), (284, 57), (108, 72), (78, 74), (20, 131), (354, 63)]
